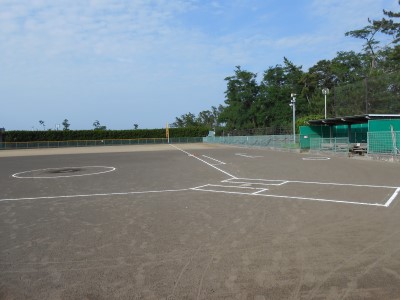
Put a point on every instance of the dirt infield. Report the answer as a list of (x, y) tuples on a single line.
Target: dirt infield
[(197, 222)]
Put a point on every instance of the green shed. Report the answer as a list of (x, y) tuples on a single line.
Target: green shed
[(379, 131)]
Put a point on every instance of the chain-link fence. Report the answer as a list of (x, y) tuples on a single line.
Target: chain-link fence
[(386, 143), (92, 143), (373, 95), (281, 130), (284, 142), (338, 145)]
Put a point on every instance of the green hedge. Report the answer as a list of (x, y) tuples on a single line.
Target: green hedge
[(72, 135)]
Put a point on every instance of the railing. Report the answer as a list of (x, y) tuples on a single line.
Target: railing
[(93, 143)]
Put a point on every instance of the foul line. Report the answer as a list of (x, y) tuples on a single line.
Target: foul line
[(248, 156), (316, 158), (282, 182), (189, 154), (91, 195)]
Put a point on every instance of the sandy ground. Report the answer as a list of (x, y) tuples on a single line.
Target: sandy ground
[(96, 149), (197, 222)]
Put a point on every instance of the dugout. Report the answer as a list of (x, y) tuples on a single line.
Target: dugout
[(355, 130)]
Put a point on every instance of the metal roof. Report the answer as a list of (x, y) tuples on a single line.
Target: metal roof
[(348, 120)]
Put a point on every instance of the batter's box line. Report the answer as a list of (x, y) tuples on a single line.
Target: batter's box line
[(212, 188), (278, 182), (216, 160)]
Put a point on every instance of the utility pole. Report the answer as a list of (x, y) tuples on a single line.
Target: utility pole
[(325, 91)]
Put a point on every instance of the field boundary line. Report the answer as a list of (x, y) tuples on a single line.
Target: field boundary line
[(91, 195), (202, 160), (205, 189)]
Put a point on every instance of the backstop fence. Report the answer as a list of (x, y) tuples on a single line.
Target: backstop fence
[(270, 131), (372, 95), (283, 142)]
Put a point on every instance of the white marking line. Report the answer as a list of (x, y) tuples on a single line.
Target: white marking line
[(256, 181), (260, 191), (16, 175), (316, 158), (189, 154), (266, 182), (214, 191), (231, 187), (326, 200), (218, 161), (392, 197), (344, 184), (91, 195), (248, 182), (248, 156), (290, 197)]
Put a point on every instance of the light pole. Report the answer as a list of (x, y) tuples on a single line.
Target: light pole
[(293, 105), (325, 91)]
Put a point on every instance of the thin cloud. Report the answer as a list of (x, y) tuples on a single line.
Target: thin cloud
[(155, 58)]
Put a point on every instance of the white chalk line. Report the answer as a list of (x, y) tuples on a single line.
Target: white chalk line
[(233, 179), (218, 161), (231, 187), (260, 191), (282, 182), (91, 195), (16, 175), (250, 181), (248, 156), (392, 197), (202, 160), (255, 181), (202, 188)]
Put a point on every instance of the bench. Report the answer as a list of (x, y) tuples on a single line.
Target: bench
[(359, 148)]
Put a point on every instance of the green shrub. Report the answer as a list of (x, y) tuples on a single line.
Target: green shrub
[(71, 135)]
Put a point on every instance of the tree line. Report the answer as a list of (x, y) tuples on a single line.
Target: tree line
[(96, 125), (251, 102)]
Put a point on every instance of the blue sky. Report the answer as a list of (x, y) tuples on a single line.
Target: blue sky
[(148, 61)]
